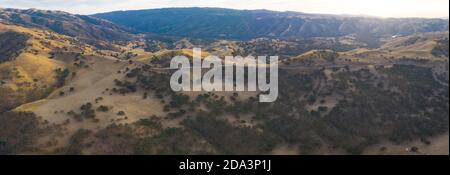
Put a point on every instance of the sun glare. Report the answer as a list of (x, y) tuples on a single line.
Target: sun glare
[(380, 8)]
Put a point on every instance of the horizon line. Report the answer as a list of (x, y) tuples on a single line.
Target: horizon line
[(191, 7)]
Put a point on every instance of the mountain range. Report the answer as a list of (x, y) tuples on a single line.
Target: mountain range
[(250, 24)]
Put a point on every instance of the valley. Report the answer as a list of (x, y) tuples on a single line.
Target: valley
[(75, 84)]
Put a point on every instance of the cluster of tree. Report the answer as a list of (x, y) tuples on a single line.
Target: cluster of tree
[(441, 49), (112, 140), (11, 45), (173, 141), (87, 112), (61, 75), (124, 87), (228, 139), (76, 143), (411, 40), (124, 140), (303, 131), (19, 132)]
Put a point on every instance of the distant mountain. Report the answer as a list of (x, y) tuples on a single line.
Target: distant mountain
[(84, 27), (250, 24)]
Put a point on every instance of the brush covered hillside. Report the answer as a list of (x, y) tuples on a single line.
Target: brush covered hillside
[(62, 94)]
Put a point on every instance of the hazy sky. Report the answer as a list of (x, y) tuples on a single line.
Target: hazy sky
[(382, 8)]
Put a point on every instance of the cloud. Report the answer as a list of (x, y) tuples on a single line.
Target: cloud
[(384, 8)]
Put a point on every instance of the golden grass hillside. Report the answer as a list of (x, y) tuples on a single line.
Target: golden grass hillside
[(419, 46), (31, 74)]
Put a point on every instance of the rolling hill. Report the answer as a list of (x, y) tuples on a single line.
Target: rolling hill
[(83, 27)]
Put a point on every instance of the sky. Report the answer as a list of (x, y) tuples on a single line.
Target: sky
[(380, 8)]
